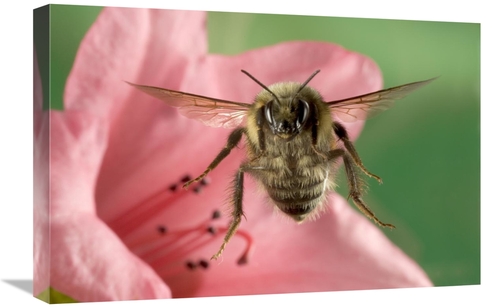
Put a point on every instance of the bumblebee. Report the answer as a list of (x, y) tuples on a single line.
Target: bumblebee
[(292, 142)]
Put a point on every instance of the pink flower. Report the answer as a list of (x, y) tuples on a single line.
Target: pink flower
[(120, 225)]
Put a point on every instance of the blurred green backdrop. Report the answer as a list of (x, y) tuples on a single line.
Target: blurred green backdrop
[(426, 150)]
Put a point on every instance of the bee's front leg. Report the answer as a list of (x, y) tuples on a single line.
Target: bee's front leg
[(237, 212), (314, 131), (341, 132), (232, 141), (260, 148)]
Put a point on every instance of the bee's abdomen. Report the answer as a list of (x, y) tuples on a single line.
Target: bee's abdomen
[(296, 192), (293, 190)]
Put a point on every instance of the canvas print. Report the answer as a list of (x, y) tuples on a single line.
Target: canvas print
[(184, 154)]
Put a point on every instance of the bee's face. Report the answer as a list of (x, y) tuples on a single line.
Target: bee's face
[(289, 112)]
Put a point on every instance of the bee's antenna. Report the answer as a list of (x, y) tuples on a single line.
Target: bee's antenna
[(306, 82), (261, 84)]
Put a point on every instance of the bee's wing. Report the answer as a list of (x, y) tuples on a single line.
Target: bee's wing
[(210, 111), (367, 105)]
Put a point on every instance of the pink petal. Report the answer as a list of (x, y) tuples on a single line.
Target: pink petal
[(88, 261), (77, 145), (102, 63), (132, 44), (41, 247), (341, 251), (343, 73)]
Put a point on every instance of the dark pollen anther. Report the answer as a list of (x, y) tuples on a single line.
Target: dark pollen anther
[(191, 265), (186, 178), (216, 214), (162, 229), (243, 260), (211, 230), (204, 264), (197, 189), (205, 181), (173, 187)]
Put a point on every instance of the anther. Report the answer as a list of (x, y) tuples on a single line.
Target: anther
[(203, 263), (147, 209), (162, 229), (212, 230), (197, 189), (216, 214), (186, 178), (243, 260), (245, 256), (205, 181), (169, 249), (191, 265)]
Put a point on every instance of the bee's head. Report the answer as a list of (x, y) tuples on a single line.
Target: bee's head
[(287, 117), (287, 106)]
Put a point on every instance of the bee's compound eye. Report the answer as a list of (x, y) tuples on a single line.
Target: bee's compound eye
[(268, 112), (302, 113)]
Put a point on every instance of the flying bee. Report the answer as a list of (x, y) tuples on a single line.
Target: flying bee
[(292, 142)]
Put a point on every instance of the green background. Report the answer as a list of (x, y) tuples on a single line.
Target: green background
[(425, 149)]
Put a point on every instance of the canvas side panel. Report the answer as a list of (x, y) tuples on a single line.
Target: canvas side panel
[(41, 167)]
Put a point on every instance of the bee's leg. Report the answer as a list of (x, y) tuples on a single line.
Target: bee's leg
[(232, 141), (237, 212), (260, 148), (355, 183), (260, 133), (341, 132), (314, 130)]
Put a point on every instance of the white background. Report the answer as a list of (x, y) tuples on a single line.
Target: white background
[(16, 149)]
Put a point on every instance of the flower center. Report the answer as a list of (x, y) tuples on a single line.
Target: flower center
[(169, 250)]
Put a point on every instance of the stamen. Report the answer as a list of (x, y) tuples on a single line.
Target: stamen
[(148, 209), (247, 253), (183, 243), (197, 189), (186, 178), (216, 214), (173, 269), (170, 252), (204, 264), (168, 263), (190, 265), (212, 230), (170, 244), (162, 229)]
